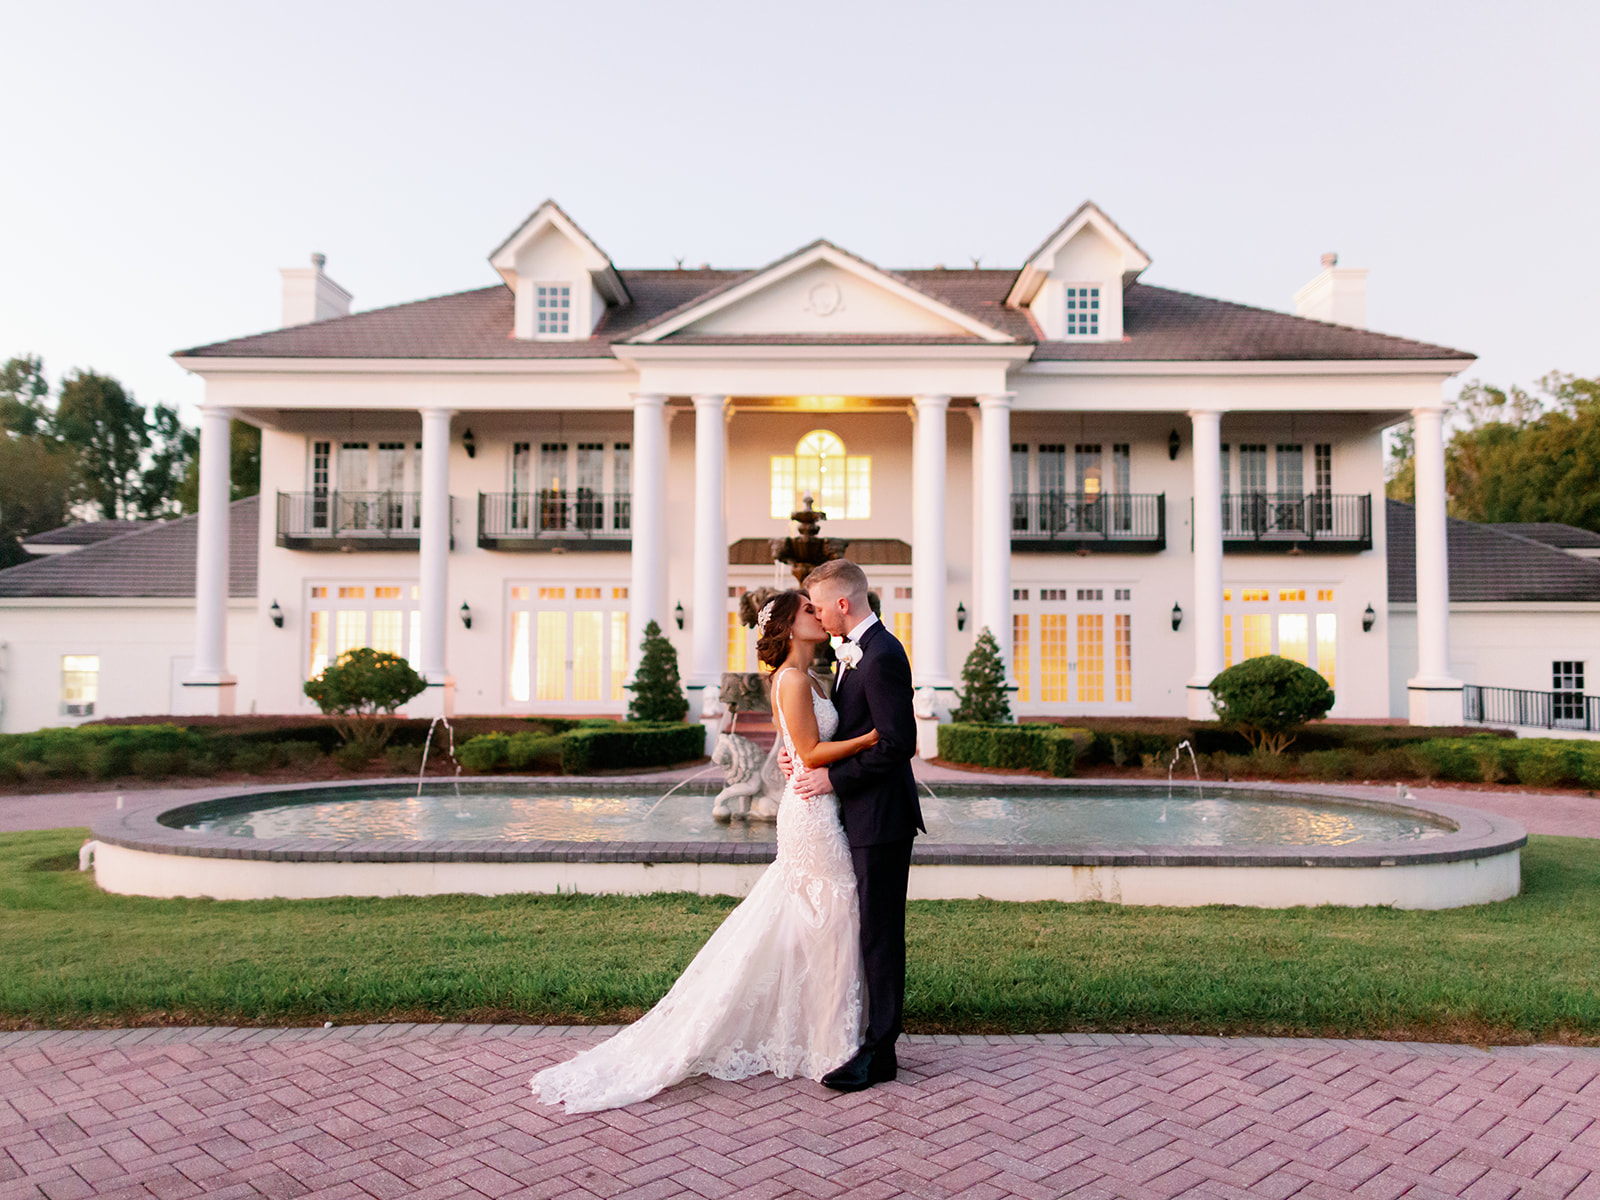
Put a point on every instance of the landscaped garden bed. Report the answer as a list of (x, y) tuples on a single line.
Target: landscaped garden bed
[(1522, 970)]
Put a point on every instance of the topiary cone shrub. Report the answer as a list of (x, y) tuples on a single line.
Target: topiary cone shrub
[(983, 700), (361, 691), (1268, 698), (657, 690)]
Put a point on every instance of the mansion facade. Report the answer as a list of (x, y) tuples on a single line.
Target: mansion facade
[(1131, 487)]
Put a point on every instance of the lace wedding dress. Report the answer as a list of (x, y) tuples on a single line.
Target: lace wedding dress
[(777, 988)]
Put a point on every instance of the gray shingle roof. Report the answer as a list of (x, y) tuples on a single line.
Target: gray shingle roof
[(85, 533), (1159, 325), (866, 552), (1552, 533), (156, 559), (1488, 565)]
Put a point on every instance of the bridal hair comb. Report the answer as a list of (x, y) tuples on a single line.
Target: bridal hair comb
[(764, 616)]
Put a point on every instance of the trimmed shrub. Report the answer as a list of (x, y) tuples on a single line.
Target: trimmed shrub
[(983, 698), (1545, 762), (657, 690), (631, 744), (301, 754), (403, 760), (537, 751), (1268, 698), (484, 752), (355, 755), (361, 691), (1052, 749)]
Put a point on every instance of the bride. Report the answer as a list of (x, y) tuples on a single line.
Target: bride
[(778, 987)]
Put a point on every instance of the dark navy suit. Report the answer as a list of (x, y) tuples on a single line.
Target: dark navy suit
[(878, 807)]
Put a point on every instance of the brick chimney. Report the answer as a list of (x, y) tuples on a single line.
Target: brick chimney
[(309, 295), (1338, 294)]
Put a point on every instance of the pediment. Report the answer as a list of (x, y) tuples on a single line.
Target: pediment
[(819, 292)]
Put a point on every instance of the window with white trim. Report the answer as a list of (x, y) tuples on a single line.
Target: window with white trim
[(341, 617), (1083, 311), (552, 308), (80, 684), (840, 484)]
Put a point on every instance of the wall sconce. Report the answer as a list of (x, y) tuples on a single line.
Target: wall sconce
[(1177, 617), (469, 444), (1174, 444), (466, 615), (1368, 620), (961, 618), (677, 614), (276, 614)]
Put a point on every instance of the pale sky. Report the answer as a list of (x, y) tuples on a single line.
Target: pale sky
[(163, 160)]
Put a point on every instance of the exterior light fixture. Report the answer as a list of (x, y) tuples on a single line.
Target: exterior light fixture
[(469, 444), (276, 614), (1174, 444), (1177, 617), (961, 618), (1368, 620), (677, 614), (466, 615)]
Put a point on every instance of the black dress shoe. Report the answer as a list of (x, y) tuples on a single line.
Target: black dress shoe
[(862, 1071), (884, 1066)]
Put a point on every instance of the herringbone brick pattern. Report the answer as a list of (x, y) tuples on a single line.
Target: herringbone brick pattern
[(442, 1111)]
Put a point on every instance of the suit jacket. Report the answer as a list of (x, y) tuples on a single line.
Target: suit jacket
[(876, 789)]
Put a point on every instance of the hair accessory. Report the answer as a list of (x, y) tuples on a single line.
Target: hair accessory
[(764, 616)]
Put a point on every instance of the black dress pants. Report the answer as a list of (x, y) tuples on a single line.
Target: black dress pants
[(881, 875)]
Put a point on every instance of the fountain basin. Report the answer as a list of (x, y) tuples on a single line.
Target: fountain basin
[(1343, 848)]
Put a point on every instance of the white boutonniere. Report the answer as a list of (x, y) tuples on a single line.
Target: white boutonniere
[(849, 655)]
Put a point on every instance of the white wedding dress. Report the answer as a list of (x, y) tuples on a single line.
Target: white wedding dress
[(778, 987)]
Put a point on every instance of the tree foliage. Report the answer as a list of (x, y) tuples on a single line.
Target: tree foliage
[(1268, 698), (657, 690), (984, 700), (363, 689), (244, 468)]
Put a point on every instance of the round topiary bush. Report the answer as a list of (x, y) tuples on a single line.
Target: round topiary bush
[(362, 690), (1268, 698)]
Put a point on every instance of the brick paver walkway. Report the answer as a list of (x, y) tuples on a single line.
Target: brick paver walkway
[(440, 1111)]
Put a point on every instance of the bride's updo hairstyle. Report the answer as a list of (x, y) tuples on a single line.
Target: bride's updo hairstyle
[(772, 644)]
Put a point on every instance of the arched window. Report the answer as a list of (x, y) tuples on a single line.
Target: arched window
[(839, 483)]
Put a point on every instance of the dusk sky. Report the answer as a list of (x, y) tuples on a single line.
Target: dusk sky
[(165, 159)]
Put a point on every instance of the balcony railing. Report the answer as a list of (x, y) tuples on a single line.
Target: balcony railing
[(1065, 522), (1269, 522), (350, 520), (551, 520), (1536, 710)]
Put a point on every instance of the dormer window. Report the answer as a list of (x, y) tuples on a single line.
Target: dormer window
[(553, 309), (1083, 311)]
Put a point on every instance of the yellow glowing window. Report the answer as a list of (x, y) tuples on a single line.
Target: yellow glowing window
[(319, 644), (319, 593), (783, 489), (619, 593), (519, 656), (519, 593), (858, 477), (1227, 641), (1227, 593), (586, 655), (619, 653), (386, 593), (1091, 658), (80, 683), (1324, 595), (586, 593), (1257, 634), (1327, 625), (352, 631), (1053, 656), (415, 657), (551, 656), (386, 632), (1293, 632), (820, 469), (902, 632), (1255, 595), (1019, 653), (1291, 595), (1124, 657), (552, 593), (352, 593), (737, 637), (416, 591)]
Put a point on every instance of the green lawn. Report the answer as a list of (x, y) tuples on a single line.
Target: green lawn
[(1528, 969)]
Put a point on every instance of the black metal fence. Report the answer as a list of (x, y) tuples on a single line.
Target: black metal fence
[(1279, 517), (1079, 516), (1537, 710), (307, 515), (560, 515)]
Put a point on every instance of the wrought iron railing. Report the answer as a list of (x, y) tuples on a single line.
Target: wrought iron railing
[(1536, 710), (349, 515), (511, 517), (1075, 518), (1273, 517)]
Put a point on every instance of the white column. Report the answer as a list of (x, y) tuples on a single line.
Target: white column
[(1205, 622), (708, 612), (975, 599), (929, 571), (1435, 697), (994, 580), (214, 688), (434, 565), (647, 587)]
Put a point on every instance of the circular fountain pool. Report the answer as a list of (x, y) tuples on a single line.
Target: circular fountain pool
[(1076, 840)]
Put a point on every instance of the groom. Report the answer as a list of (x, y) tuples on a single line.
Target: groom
[(877, 803)]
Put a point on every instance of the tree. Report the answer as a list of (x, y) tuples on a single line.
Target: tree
[(1268, 698), (362, 689), (657, 691), (984, 700), (36, 482), (244, 467), (101, 421), (22, 397), (174, 453)]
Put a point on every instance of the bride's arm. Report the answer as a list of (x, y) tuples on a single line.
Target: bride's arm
[(794, 697)]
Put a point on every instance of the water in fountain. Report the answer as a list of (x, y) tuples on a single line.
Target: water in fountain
[(427, 742), (1177, 754)]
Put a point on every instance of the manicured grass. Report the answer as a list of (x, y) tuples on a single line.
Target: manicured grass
[(1527, 969)]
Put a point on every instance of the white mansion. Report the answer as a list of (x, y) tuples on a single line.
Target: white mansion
[(1132, 487)]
